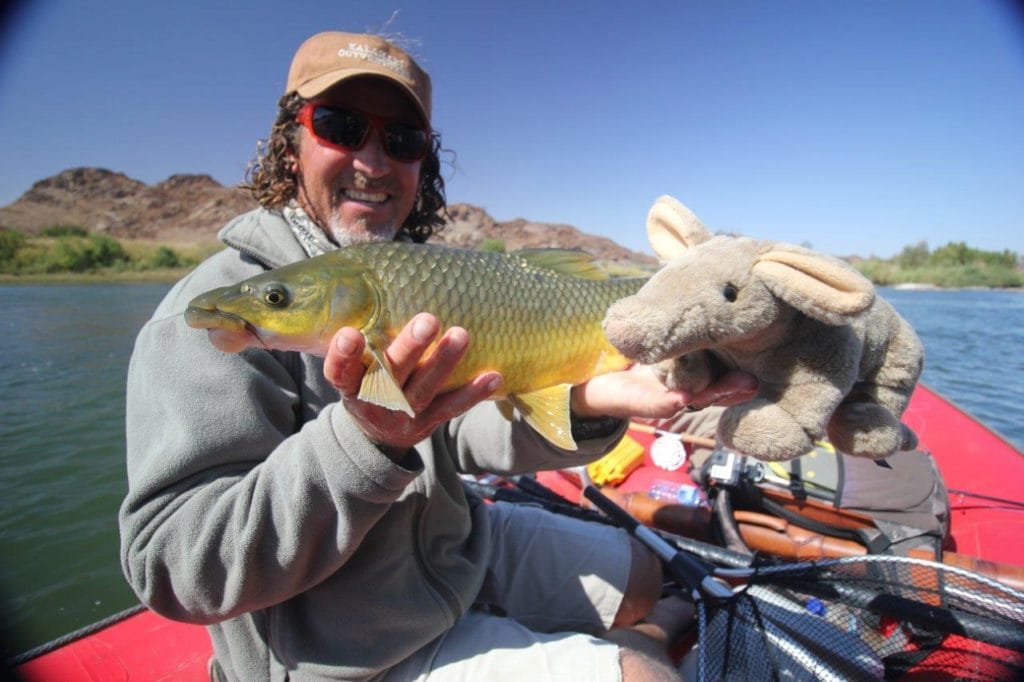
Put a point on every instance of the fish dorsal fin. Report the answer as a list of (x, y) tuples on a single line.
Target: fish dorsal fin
[(547, 411), (565, 261), (380, 386)]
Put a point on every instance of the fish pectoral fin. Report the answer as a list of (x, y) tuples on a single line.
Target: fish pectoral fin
[(380, 386), (547, 411)]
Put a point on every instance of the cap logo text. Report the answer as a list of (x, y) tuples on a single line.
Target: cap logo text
[(376, 56)]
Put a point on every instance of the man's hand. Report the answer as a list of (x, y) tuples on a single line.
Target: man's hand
[(638, 392), (732, 388), (421, 376)]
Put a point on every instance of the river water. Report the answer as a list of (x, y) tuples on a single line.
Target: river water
[(62, 429)]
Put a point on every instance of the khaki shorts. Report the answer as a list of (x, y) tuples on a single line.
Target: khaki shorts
[(556, 582)]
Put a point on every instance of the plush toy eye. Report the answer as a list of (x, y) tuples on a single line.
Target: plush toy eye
[(275, 295), (730, 293)]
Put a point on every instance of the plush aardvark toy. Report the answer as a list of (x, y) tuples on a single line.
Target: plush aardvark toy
[(829, 355)]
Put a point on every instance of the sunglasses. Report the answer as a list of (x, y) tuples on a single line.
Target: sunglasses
[(348, 129)]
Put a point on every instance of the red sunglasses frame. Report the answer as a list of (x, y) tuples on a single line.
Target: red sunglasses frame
[(305, 119)]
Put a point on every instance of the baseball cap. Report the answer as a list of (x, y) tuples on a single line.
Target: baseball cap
[(328, 58)]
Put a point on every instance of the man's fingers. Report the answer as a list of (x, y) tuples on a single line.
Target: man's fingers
[(453, 403), (343, 366), (428, 379), (399, 430), (635, 392), (406, 350), (421, 367), (732, 388)]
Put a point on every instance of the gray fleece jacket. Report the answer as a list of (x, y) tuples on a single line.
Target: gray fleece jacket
[(257, 507)]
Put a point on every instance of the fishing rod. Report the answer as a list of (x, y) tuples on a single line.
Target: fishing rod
[(988, 498)]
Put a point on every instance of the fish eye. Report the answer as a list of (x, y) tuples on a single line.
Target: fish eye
[(730, 293), (275, 295)]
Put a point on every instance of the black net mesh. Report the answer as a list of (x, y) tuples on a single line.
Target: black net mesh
[(862, 618)]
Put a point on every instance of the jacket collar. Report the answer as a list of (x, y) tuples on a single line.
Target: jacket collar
[(265, 236)]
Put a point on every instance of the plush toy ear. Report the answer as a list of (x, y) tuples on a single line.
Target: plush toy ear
[(672, 228), (819, 286)]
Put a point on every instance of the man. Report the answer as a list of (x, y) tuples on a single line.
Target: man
[(326, 538)]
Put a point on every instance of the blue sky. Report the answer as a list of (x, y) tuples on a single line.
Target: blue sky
[(852, 127)]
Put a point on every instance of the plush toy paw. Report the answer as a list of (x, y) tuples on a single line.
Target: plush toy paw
[(764, 430), (866, 429)]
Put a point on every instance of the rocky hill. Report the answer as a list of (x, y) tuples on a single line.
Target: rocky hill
[(191, 208), (470, 225), (182, 208)]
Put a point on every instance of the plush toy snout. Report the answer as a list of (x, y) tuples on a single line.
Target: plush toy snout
[(639, 331)]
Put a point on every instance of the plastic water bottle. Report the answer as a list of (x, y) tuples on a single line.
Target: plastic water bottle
[(677, 493)]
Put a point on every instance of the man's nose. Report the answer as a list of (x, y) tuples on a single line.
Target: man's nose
[(371, 158)]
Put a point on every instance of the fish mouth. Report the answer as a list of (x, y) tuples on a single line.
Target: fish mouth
[(227, 331), (211, 318)]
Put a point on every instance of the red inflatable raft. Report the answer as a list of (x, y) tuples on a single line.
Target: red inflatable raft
[(983, 471)]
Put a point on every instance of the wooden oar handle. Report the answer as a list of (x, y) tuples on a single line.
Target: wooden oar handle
[(778, 537), (685, 437), (681, 519)]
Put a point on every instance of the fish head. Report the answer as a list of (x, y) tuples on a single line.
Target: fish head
[(294, 307)]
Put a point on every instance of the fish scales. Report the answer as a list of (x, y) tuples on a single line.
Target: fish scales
[(536, 326)]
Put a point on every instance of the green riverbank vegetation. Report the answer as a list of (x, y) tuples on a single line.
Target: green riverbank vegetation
[(69, 253), (65, 253), (954, 265)]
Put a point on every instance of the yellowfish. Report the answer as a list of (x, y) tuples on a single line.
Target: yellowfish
[(533, 315)]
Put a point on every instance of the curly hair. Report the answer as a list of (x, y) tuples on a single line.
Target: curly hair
[(273, 183)]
